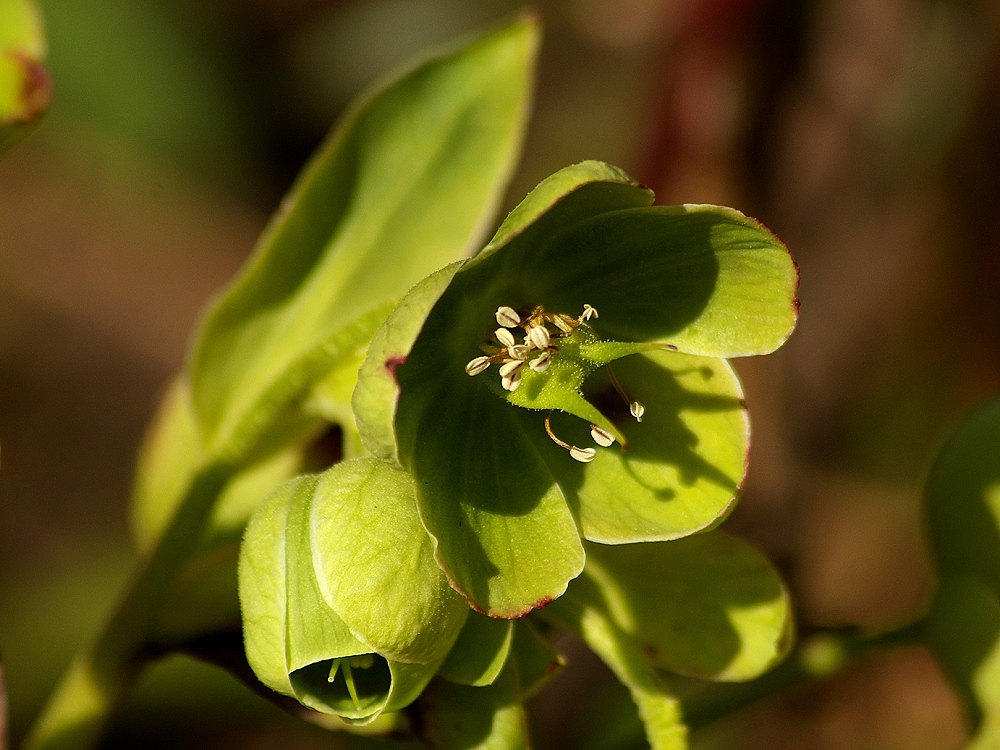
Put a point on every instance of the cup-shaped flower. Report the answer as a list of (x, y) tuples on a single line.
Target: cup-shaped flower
[(343, 605), (492, 383)]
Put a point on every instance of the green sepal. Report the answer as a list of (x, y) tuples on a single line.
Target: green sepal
[(583, 611), (24, 83), (402, 186), (480, 651), (460, 717), (377, 390), (714, 608), (375, 563), (685, 463)]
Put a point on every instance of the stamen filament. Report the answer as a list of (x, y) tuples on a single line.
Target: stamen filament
[(583, 455), (635, 408)]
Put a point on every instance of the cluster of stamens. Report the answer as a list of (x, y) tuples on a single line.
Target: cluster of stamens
[(536, 350)]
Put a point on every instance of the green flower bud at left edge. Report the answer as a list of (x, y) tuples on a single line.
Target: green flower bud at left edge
[(571, 381)]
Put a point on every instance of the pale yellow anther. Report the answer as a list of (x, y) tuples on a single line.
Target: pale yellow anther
[(509, 368), (507, 316), (505, 337), (637, 410), (541, 362), (588, 313), (538, 337), (601, 436), (519, 351), (477, 365), (563, 322), (583, 455)]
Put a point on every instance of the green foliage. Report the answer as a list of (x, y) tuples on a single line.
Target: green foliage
[(963, 506), (24, 83)]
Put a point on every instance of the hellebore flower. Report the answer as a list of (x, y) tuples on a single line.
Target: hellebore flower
[(491, 383)]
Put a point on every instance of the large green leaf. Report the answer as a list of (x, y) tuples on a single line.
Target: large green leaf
[(403, 185), (709, 605), (24, 83), (375, 563), (963, 499)]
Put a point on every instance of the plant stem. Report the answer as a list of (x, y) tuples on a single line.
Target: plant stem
[(821, 655), (99, 677)]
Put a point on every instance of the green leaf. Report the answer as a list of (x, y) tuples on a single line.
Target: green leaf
[(708, 606), (963, 499), (480, 651), (375, 563), (401, 187), (963, 630), (458, 717), (582, 611), (24, 83)]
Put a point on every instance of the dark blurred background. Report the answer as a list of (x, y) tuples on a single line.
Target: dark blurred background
[(866, 133)]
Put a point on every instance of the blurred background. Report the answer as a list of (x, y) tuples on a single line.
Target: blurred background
[(866, 133)]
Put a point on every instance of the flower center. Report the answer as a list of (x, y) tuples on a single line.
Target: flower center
[(542, 331)]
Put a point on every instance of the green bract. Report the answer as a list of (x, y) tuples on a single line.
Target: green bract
[(675, 289)]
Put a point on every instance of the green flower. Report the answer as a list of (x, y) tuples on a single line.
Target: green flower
[(491, 384)]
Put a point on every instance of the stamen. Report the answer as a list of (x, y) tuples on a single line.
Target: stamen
[(505, 337), (519, 351), (351, 688), (507, 317), (541, 362), (477, 365), (583, 455), (509, 368), (538, 337), (563, 322), (511, 382), (634, 407), (588, 313), (601, 436)]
